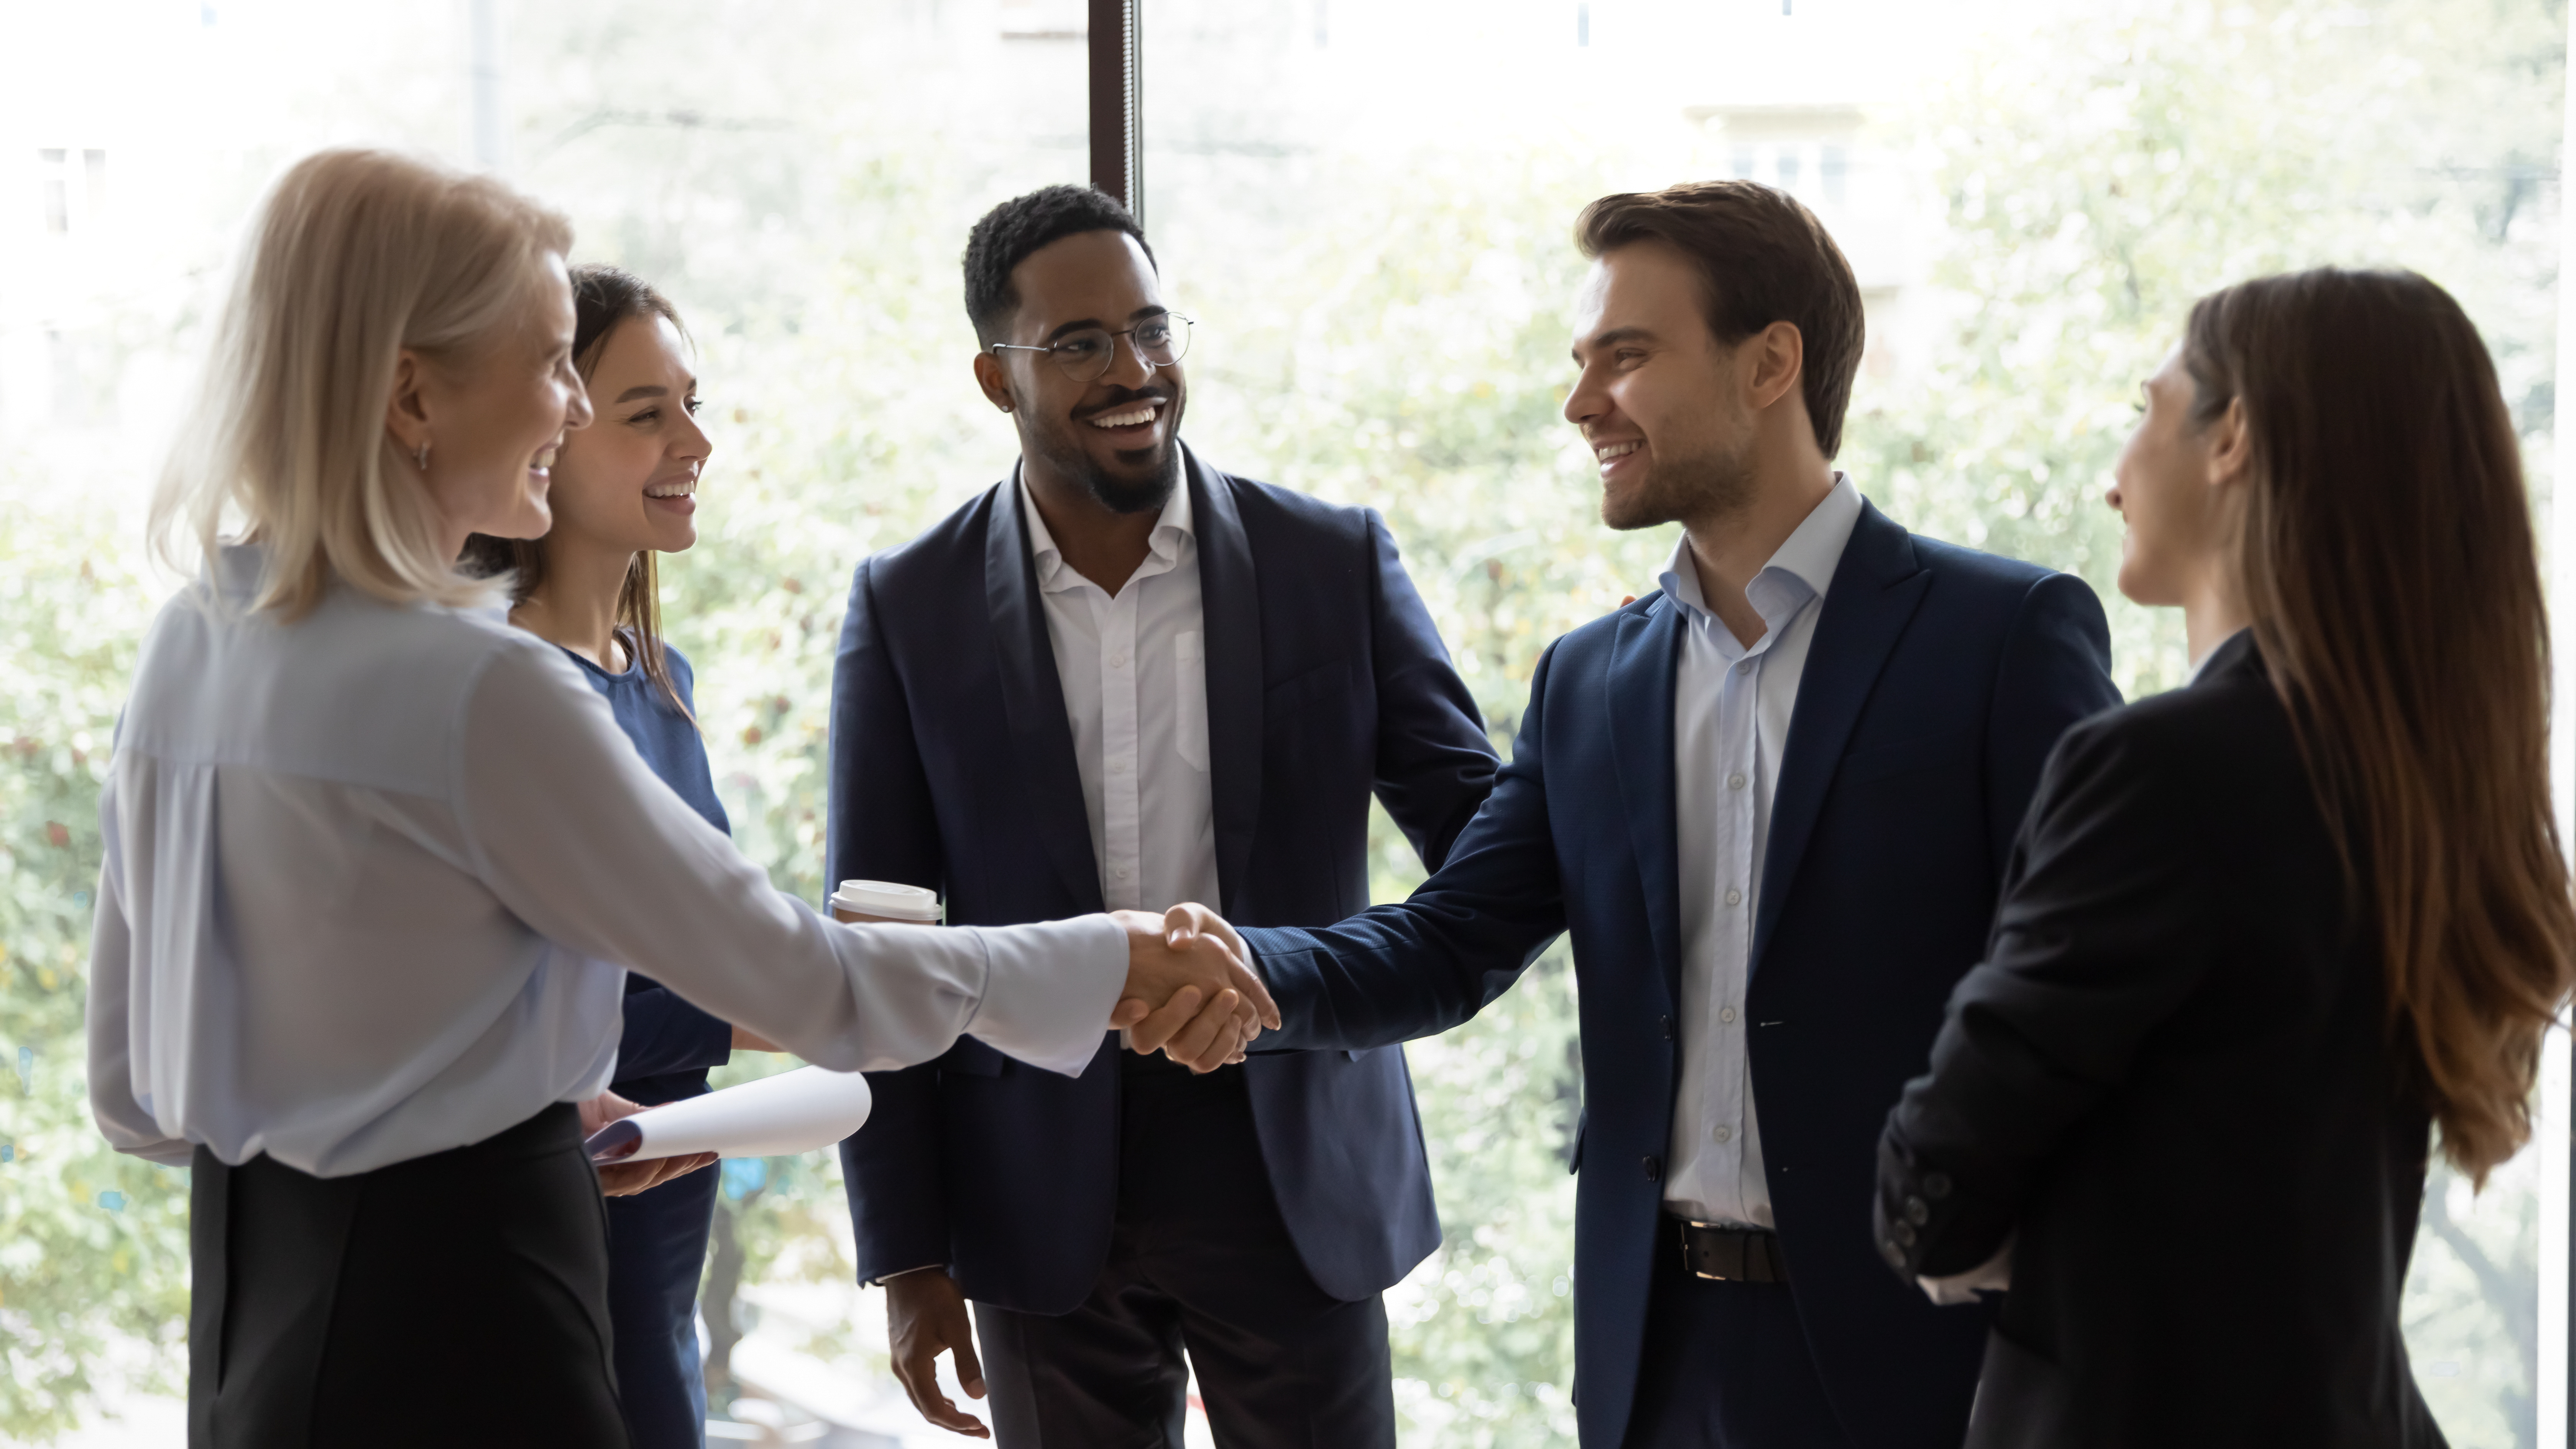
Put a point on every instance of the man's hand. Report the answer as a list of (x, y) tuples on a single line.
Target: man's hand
[(625, 1179), (747, 1040), (1188, 990), (926, 1317)]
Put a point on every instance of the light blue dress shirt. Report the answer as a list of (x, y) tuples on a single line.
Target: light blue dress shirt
[(1732, 703)]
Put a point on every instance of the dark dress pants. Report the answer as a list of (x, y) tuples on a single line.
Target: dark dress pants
[(1726, 1367), (657, 1250), (1199, 1259), (458, 1298)]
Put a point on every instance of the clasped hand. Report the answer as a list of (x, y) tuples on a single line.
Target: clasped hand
[(1191, 993)]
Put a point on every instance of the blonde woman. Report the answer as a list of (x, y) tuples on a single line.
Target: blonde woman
[(369, 852)]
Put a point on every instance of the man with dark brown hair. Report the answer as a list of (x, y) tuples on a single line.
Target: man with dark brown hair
[(1772, 801)]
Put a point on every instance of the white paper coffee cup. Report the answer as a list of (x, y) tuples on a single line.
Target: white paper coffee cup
[(886, 902)]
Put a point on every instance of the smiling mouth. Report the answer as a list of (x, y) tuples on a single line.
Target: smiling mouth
[(1613, 452), (543, 464), (681, 489), (1143, 412)]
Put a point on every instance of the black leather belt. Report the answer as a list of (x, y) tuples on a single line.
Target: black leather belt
[(1740, 1255)]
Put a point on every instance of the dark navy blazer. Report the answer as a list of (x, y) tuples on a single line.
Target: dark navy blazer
[(953, 768), (1936, 683)]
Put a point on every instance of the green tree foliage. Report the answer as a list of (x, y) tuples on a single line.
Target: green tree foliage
[(93, 1244), (1395, 338)]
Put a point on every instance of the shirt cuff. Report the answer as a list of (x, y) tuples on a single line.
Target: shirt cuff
[(1049, 989), (1991, 1276)]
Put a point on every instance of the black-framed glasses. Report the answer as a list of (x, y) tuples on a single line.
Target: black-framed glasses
[(1085, 355)]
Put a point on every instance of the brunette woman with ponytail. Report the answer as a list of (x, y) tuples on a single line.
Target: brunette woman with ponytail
[(2269, 940)]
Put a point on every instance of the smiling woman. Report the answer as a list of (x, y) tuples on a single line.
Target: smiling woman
[(624, 491)]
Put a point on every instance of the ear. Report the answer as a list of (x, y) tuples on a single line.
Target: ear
[(406, 410), (995, 380), (2231, 446), (1774, 358)]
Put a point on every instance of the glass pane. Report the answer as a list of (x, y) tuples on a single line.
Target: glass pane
[(1367, 207), (798, 178)]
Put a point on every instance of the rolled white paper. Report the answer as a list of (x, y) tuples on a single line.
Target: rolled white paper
[(798, 1111)]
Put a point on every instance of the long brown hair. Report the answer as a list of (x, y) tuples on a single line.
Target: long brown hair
[(603, 298), (2390, 569)]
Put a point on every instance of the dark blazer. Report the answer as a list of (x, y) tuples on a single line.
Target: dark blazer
[(2171, 1083), (953, 768), (1935, 684)]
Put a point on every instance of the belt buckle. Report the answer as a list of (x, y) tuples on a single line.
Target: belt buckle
[(1691, 1266)]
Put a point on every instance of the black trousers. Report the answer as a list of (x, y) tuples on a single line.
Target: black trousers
[(1199, 1259), (459, 1298), (1726, 1367)]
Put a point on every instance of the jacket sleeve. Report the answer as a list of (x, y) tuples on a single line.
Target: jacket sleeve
[(665, 1034), (2102, 934), (2056, 670), (880, 826), (1396, 972), (1435, 765)]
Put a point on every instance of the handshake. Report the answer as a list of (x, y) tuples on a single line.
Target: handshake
[(1190, 990)]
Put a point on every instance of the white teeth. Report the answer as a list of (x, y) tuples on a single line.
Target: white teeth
[(672, 490), (545, 460), (1130, 418), (1618, 450)]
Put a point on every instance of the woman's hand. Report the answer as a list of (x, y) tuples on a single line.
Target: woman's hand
[(747, 1040), (625, 1179)]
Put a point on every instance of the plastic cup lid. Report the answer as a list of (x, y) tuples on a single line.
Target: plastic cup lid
[(885, 898)]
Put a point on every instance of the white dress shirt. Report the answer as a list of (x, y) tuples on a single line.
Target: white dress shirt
[(1134, 669), (365, 873), (1731, 710)]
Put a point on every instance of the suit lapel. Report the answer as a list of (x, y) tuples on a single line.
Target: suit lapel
[(1644, 656), (1230, 603), (1875, 591), (1033, 697)]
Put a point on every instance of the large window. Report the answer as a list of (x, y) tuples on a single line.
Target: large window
[(1367, 208)]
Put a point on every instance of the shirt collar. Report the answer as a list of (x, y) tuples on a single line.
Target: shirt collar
[(1802, 568), (1170, 531)]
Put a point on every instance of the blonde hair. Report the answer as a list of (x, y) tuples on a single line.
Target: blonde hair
[(352, 257)]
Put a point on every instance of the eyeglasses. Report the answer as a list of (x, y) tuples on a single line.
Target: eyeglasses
[(1086, 355)]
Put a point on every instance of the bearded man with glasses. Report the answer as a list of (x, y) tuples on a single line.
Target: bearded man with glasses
[(1122, 677)]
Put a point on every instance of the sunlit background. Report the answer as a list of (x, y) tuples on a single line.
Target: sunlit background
[(1367, 207)]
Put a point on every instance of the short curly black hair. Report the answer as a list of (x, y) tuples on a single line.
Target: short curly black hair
[(1011, 231)]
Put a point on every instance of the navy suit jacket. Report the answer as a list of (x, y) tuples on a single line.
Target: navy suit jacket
[(953, 768), (1936, 683)]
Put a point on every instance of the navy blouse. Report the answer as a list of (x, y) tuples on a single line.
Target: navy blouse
[(669, 1045)]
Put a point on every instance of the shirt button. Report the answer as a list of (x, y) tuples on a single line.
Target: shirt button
[(1734, 897), (1120, 872), (1654, 1169), (1726, 1014), (1735, 781), (1117, 661), (1724, 1134)]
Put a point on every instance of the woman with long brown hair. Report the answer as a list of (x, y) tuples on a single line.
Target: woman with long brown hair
[(2263, 935), (624, 493)]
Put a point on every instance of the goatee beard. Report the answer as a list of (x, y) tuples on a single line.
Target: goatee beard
[(1120, 495)]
